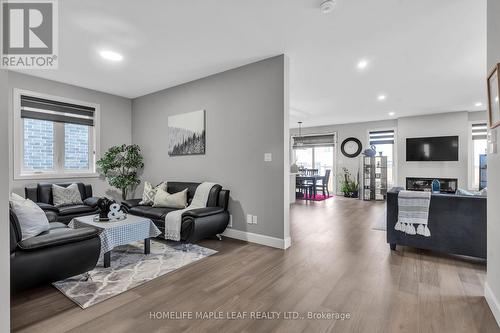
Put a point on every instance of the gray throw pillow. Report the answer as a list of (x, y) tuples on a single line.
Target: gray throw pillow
[(148, 196), (64, 196)]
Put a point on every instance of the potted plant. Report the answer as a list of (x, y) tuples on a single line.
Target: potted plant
[(350, 188), (120, 165)]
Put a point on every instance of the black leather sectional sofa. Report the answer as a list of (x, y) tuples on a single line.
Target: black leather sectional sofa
[(42, 194), (54, 255), (196, 223), (457, 224)]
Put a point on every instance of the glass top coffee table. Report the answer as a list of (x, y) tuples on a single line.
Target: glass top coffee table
[(131, 229)]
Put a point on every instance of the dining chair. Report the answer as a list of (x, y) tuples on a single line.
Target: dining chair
[(324, 182), (305, 188)]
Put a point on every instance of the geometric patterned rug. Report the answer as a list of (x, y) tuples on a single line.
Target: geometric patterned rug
[(130, 268)]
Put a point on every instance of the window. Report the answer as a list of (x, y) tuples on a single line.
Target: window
[(53, 137), (477, 156), (316, 152), (383, 140)]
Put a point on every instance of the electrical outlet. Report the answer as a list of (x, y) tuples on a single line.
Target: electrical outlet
[(254, 219), (230, 225), (249, 219)]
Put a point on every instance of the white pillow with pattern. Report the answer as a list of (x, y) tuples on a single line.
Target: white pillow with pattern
[(148, 196), (63, 196), (176, 200)]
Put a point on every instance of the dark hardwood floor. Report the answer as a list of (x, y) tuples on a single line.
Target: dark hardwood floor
[(337, 263)]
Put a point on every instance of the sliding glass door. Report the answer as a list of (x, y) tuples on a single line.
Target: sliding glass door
[(321, 158)]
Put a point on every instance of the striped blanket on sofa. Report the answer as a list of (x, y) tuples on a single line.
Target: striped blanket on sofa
[(413, 215)]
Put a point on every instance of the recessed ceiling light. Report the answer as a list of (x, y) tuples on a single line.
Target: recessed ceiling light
[(327, 6), (392, 113), (382, 97), (111, 55), (362, 64), (478, 104), (496, 99)]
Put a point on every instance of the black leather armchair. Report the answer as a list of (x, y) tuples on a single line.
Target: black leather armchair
[(196, 223), (42, 194), (54, 255)]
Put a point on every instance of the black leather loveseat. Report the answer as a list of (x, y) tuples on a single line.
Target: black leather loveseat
[(196, 223), (42, 194), (55, 254), (457, 224)]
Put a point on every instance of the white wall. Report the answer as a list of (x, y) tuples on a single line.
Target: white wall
[(453, 123), (492, 287), (116, 123), (245, 118), (344, 131), (4, 204), (444, 124)]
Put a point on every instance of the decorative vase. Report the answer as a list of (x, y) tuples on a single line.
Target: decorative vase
[(370, 152), (436, 186)]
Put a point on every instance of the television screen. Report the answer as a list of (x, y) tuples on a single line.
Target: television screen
[(440, 148)]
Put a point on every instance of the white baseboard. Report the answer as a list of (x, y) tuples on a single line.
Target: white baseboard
[(257, 238), (492, 302)]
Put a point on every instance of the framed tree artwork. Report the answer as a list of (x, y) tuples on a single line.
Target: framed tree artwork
[(186, 134), (493, 94)]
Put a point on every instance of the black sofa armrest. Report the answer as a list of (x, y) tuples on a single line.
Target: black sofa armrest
[(57, 237), (202, 212), (92, 201), (48, 207), (127, 204)]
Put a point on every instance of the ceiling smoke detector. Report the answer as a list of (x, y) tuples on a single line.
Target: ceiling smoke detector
[(327, 6)]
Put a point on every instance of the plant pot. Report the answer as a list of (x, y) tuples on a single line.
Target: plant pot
[(351, 194)]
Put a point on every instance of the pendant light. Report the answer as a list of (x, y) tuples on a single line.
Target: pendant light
[(298, 140)]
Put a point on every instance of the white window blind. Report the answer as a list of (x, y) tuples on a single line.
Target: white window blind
[(314, 140), (381, 137), (44, 109), (479, 131)]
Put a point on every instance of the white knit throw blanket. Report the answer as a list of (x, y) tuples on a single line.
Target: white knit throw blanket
[(413, 211), (173, 219)]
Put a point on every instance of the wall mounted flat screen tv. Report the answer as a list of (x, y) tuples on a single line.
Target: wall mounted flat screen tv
[(439, 148)]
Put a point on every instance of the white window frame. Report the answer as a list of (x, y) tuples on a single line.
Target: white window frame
[(395, 179), (470, 157), (59, 171)]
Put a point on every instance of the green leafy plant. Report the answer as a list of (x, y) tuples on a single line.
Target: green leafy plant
[(120, 165), (349, 187)]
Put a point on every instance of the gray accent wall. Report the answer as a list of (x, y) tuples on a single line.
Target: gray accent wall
[(246, 117), (116, 125), (492, 288), (4, 205)]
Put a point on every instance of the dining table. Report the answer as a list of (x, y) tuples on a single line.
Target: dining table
[(313, 179)]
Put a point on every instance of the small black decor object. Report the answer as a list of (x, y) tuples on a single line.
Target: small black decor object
[(104, 205)]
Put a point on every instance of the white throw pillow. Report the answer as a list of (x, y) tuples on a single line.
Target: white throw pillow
[(32, 219), (148, 196), (167, 200), (63, 196)]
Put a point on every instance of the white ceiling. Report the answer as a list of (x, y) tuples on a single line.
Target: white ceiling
[(427, 56)]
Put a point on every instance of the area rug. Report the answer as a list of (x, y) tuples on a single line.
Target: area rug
[(318, 197), (130, 268), (381, 222)]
